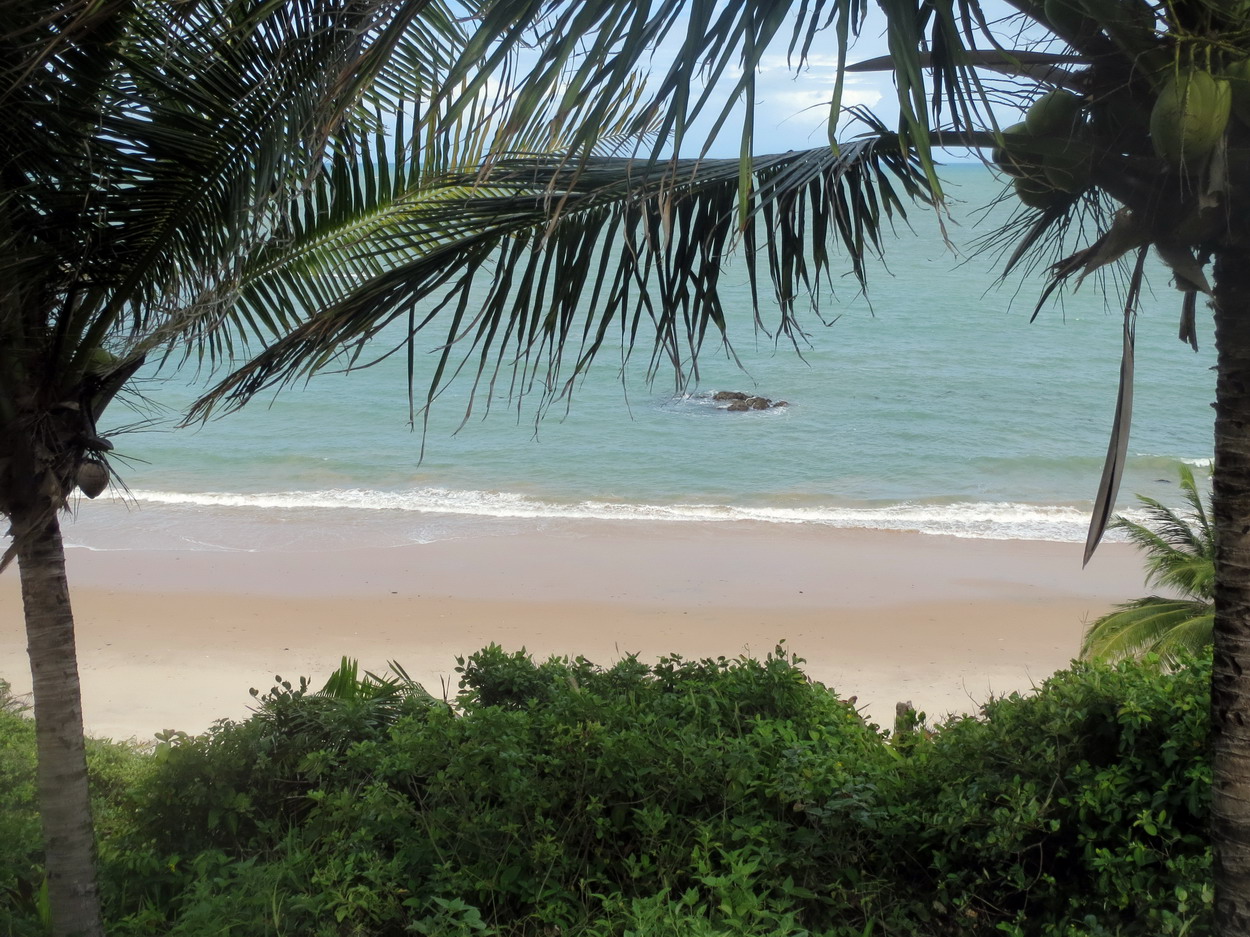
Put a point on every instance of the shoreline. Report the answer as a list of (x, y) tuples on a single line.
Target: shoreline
[(175, 639)]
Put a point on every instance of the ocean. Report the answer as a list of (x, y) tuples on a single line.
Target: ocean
[(932, 405)]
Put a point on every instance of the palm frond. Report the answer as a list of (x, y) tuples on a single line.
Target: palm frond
[(150, 149), (636, 247), (1046, 68), (1150, 625), (197, 117), (1180, 556), (586, 51), (1117, 444), (1180, 550)]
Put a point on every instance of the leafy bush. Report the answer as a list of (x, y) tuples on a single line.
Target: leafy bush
[(549, 784), (244, 783), (710, 798), (620, 780), (113, 770), (1087, 798), (20, 847)]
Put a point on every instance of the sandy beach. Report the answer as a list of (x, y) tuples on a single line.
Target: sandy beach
[(173, 640)]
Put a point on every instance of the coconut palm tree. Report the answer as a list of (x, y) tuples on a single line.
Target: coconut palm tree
[(188, 181), (159, 161), (531, 263), (1180, 551), (1136, 134)]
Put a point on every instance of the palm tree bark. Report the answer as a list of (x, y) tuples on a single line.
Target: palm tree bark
[(1230, 684), (64, 801)]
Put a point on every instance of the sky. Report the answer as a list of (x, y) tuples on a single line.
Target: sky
[(792, 103)]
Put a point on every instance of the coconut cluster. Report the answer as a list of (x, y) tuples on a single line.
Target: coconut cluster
[(1183, 77)]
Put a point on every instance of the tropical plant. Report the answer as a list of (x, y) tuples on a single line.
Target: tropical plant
[(162, 166), (1135, 134), (179, 182), (685, 797), (1180, 552)]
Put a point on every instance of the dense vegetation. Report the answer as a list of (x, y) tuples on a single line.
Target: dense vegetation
[(714, 797)]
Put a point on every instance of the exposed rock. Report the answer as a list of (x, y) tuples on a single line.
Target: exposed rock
[(739, 401)]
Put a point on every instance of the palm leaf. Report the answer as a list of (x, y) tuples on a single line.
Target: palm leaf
[(1150, 625), (1180, 555), (1180, 550), (1045, 68), (669, 225), (149, 151), (1117, 445)]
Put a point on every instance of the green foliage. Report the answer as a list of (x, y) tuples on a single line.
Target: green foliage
[(113, 770), (698, 798), (1180, 556), (20, 873), (242, 780), (1089, 797), (1179, 548), (550, 784)]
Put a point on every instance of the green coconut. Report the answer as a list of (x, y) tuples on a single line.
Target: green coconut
[(1069, 171), (1037, 193), (1238, 75), (1055, 113), (1010, 159), (1057, 119), (100, 361), (1190, 116), (1068, 19)]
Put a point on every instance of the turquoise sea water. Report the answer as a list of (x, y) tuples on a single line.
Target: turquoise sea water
[(934, 406)]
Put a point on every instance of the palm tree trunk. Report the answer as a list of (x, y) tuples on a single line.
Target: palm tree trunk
[(1230, 684), (64, 803)]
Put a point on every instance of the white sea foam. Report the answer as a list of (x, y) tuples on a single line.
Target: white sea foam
[(984, 520)]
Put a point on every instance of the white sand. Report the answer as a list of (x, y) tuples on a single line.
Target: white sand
[(174, 640)]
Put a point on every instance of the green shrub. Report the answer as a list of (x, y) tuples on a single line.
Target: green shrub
[(710, 797), (21, 874), (1088, 797), (614, 780), (241, 784), (551, 783), (113, 770)]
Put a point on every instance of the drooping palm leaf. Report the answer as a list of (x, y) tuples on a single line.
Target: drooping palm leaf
[(1180, 550), (636, 248), (197, 127)]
